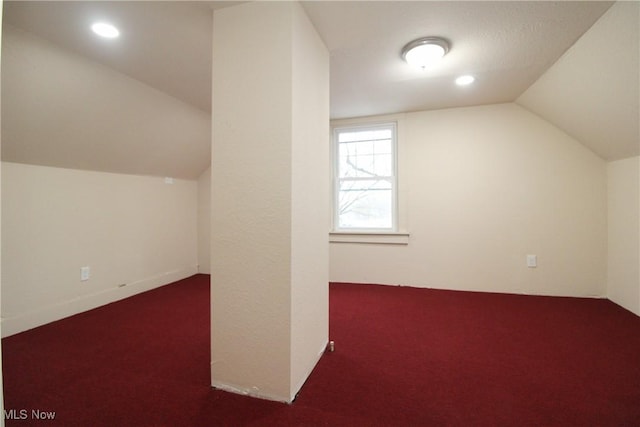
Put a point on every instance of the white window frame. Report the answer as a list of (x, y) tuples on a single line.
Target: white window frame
[(397, 234)]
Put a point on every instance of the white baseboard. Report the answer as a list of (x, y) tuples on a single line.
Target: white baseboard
[(48, 314)]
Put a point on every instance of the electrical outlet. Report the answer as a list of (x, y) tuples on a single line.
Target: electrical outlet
[(85, 273), (532, 261)]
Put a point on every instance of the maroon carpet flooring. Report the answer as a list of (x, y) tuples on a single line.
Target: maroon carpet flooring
[(403, 357)]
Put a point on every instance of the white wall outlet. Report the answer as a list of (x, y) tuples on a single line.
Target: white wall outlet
[(168, 180), (532, 261), (85, 273)]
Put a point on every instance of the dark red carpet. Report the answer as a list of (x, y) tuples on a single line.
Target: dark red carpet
[(404, 357)]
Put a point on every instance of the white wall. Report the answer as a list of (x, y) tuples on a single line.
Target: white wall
[(131, 230), (310, 199), (204, 222), (251, 190), (129, 227), (269, 245), (623, 277), (1, 381), (487, 186)]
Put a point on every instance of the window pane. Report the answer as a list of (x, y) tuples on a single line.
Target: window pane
[(383, 165), (355, 185), (347, 167), (365, 204), (365, 166), (365, 160), (364, 135), (383, 147), (365, 181)]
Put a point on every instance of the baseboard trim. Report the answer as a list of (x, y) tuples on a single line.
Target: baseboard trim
[(33, 319)]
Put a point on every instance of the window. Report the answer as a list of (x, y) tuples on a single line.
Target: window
[(365, 183)]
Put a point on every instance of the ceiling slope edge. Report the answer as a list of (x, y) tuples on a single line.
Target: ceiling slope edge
[(593, 91)]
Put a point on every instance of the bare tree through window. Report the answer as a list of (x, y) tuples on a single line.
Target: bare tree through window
[(365, 181)]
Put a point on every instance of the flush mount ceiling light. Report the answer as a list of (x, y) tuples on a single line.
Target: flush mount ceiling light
[(425, 52), (105, 30), (465, 80)]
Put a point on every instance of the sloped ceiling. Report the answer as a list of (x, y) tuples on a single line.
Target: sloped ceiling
[(507, 45), (593, 91), (147, 110), (164, 44), (60, 109)]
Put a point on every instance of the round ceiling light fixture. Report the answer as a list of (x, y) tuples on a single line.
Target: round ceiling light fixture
[(105, 30), (465, 80), (425, 52)]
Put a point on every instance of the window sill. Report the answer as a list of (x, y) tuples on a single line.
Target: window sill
[(392, 238)]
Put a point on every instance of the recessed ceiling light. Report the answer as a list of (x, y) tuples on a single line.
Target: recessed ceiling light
[(425, 52), (105, 30), (465, 80)]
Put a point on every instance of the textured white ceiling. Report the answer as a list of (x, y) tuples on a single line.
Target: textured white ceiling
[(167, 45), (506, 45)]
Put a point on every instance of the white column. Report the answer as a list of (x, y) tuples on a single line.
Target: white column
[(270, 183), (1, 382), (623, 272)]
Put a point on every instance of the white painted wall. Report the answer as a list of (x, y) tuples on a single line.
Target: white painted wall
[(251, 205), (487, 186), (268, 257), (310, 199), (1, 381), (623, 277), (132, 230), (129, 228), (204, 222)]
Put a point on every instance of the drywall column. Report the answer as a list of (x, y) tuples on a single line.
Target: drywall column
[(1, 382), (623, 281), (204, 219), (269, 189)]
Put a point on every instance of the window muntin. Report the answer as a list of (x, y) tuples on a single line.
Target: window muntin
[(365, 178)]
